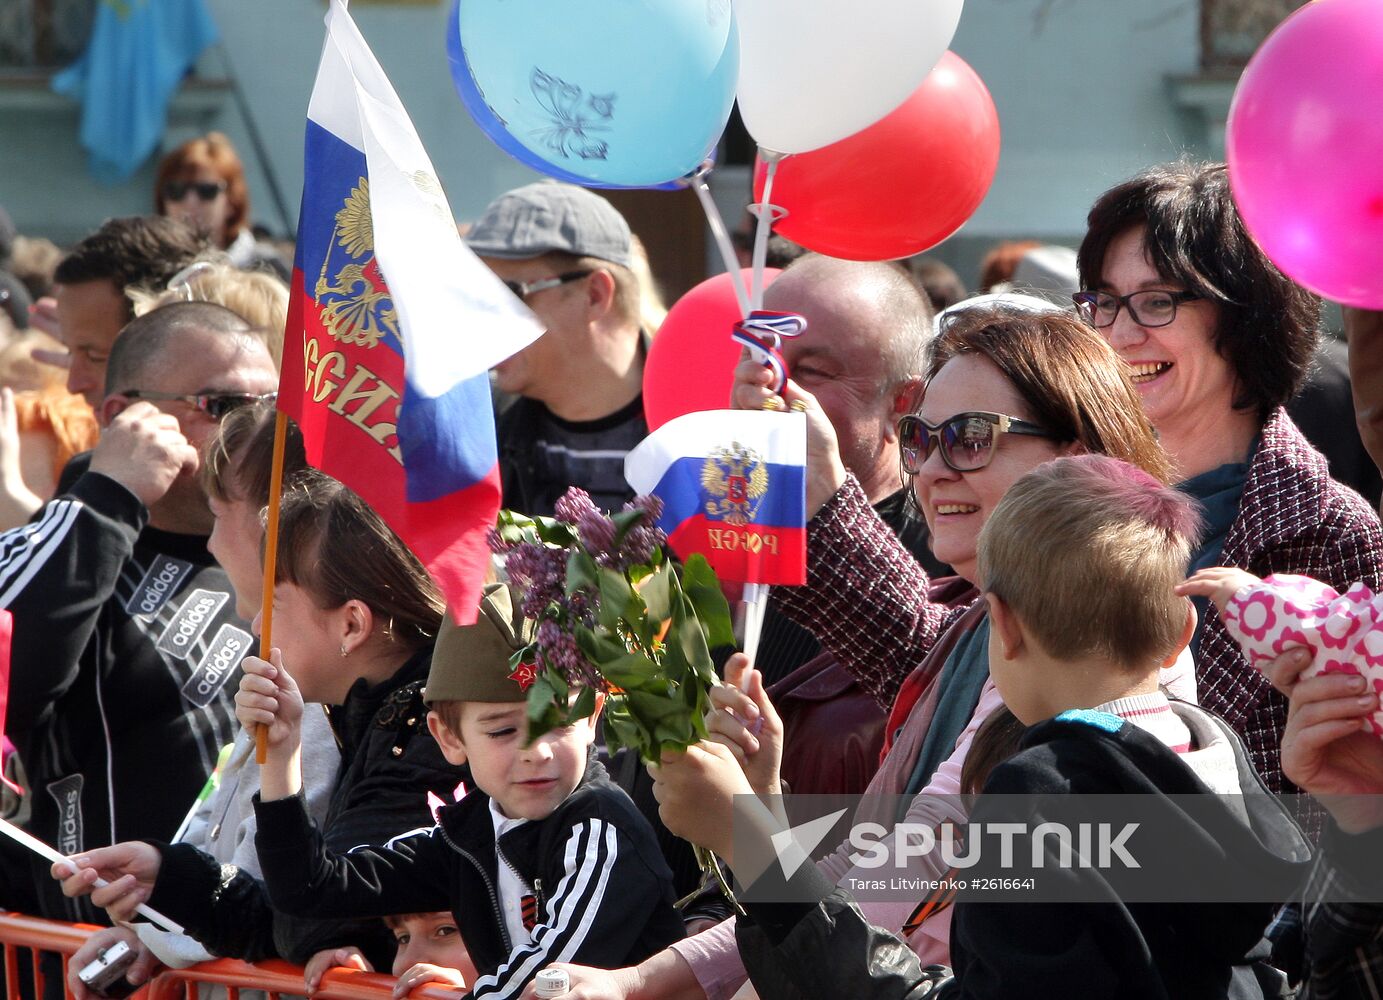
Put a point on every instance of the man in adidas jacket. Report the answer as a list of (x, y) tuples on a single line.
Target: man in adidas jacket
[(126, 648)]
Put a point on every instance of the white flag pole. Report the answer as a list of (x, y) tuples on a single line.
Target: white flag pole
[(49, 854)]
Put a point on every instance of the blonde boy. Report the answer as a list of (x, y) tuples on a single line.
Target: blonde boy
[(1079, 563), (545, 860)]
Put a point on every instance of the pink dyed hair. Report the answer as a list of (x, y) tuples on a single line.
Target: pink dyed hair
[(1086, 550)]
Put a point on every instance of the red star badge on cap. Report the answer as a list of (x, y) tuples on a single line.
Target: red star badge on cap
[(524, 675)]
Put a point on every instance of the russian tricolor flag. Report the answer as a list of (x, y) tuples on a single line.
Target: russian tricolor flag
[(734, 488), (393, 324)]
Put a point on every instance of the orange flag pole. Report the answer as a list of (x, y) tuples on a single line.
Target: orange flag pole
[(271, 551)]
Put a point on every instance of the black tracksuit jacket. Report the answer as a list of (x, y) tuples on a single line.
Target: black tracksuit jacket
[(603, 891)]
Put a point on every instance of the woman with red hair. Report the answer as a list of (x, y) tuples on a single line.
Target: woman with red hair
[(202, 183)]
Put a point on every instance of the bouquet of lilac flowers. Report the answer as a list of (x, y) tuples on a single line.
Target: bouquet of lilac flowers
[(615, 614)]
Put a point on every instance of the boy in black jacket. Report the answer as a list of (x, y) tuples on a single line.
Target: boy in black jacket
[(546, 860)]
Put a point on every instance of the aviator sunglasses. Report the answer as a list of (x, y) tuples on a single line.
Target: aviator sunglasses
[(966, 440)]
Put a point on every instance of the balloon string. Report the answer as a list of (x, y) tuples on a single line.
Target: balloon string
[(768, 213), (722, 240)]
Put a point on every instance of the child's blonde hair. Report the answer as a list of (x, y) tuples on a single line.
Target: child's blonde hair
[(1086, 551)]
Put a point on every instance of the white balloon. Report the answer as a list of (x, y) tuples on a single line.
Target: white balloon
[(815, 71)]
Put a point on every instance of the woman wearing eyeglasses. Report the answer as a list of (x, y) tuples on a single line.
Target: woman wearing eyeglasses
[(202, 183), (1218, 340)]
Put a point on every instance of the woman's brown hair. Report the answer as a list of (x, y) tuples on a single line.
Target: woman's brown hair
[(215, 153), (337, 548), (994, 742), (238, 461), (1073, 382)]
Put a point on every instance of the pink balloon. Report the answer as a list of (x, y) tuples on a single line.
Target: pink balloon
[(691, 364), (1305, 149)]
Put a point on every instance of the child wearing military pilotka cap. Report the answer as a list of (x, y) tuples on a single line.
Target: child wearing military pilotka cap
[(546, 860)]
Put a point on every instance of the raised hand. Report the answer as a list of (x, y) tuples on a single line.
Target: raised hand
[(825, 470), (143, 449)]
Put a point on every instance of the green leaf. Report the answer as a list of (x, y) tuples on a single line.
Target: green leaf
[(625, 520), (544, 715), (599, 647), (514, 519), (616, 598), (622, 730), (581, 571), (632, 672), (583, 707), (560, 692), (702, 588), (657, 595), (686, 642), (555, 532)]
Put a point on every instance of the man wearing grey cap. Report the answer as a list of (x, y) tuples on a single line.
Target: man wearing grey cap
[(566, 252)]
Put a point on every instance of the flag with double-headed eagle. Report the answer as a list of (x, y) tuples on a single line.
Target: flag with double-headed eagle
[(733, 485), (393, 325)]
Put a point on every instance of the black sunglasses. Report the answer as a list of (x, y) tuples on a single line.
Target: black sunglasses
[(214, 404), (523, 289), (966, 440), (204, 190)]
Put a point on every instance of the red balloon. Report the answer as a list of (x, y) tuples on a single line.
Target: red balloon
[(690, 366), (902, 185)]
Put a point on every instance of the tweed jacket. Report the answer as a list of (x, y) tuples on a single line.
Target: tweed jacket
[(1293, 518), (867, 600)]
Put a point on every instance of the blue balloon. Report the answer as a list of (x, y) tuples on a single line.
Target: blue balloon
[(620, 94)]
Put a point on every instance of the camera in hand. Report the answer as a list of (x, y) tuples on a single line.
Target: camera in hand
[(105, 974)]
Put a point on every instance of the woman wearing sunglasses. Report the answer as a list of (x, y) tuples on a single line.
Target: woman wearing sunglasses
[(202, 183), (1218, 340), (1005, 390)]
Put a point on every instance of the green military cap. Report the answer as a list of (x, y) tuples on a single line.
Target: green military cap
[(471, 662)]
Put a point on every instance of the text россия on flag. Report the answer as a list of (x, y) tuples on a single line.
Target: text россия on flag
[(733, 486), (393, 324)]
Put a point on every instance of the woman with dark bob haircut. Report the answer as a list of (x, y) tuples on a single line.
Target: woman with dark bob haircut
[(1217, 340)]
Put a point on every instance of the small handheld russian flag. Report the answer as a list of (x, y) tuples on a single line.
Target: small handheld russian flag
[(733, 485)]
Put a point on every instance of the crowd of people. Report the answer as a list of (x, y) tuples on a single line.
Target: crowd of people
[(1064, 537)]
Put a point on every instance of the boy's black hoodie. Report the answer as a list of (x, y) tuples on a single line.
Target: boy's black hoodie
[(1157, 951), (602, 888)]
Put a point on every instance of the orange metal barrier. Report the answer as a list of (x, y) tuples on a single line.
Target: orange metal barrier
[(36, 936), (275, 977)]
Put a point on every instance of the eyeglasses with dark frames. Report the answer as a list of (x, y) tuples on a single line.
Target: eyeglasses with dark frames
[(967, 440), (214, 404), (1151, 308), (204, 190), (523, 289)]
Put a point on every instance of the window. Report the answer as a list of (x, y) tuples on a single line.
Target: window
[(43, 35)]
